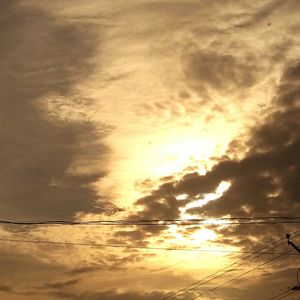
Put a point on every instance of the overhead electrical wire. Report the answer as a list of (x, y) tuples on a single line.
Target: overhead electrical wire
[(223, 271), (164, 222), (243, 274), (282, 295), (257, 254), (189, 288), (129, 246), (214, 275), (290, 290)]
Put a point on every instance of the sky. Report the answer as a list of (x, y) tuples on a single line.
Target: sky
[(148, 110)]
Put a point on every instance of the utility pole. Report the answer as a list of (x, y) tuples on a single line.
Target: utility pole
[(296, 287), (288, 236)]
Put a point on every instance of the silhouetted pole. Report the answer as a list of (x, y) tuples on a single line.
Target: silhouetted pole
[(288, 236)]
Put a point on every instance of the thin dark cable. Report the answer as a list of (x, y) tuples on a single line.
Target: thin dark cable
[(206, 279), (163, 222), (111, 223), (132, 246), (225, 272), (284, 296), (193, 286), (194, 219), (289, 290), (281, 294), (241, 275)]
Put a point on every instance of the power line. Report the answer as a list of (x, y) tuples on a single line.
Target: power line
[(179, 249), (214, 275), (290, 290), (282, 295), (198, 283), (131, 246), (164, 222), (241, 275)]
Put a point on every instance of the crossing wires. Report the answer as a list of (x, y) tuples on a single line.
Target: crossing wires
[(241, 275), (283, 295), (194, 286)]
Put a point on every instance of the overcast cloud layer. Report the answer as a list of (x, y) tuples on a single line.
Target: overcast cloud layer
[(114, 109), (42, 56)]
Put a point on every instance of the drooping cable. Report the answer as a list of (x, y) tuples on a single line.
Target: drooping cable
[(243, 274), (129, 246), (164, 222), (223, 271)]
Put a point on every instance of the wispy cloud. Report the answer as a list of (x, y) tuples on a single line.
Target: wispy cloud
[(45, 56)]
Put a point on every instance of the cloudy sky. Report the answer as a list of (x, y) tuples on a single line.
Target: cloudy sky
[(148, 110)]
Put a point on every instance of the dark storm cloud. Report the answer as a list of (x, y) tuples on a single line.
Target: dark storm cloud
[(161, 204), (110, 295), (5, 288), (59, 284), (125, 296), (269, 283), (21, 272), (15, 263), (209, 70), (41, 56), (264, 182), (260, 14), (181, 11), (83, 270), (37, 274)]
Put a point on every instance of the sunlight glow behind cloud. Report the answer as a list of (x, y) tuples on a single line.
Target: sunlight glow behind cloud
[(204, 199)]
